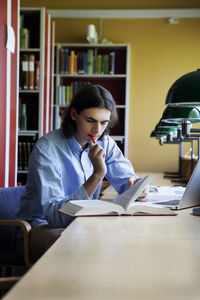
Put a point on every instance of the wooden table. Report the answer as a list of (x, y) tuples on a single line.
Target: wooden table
[(105, 258)]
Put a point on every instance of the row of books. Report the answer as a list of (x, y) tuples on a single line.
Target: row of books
[(66, 92), (24, 152), (86, 62), (29, 72)]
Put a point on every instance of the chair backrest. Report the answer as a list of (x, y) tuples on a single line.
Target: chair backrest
[(9, 206), (10, 201)]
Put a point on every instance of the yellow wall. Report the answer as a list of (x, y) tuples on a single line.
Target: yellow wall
[(160, 53)]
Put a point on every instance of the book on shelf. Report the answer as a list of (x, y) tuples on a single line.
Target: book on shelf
[(62, 61), (20, 166), (24, 34), (31, 70), (112, 63), (25, 156), (71, 62), (25, 71), (90, 57), (123, 204), (37, 75), (22, 116), (105, 64)]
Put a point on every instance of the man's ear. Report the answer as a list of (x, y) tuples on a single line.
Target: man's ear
[(73, 114)]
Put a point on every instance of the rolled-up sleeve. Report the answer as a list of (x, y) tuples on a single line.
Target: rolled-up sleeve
[(119, 168)]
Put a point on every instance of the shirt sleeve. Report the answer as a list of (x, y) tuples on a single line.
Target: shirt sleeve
[(44, 167), (119, 168)]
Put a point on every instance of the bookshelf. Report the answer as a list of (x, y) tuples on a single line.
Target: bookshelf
[(35, 82), (107, 65), (9, 93)]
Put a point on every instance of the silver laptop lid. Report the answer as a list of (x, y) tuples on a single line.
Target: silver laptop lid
[(191, 196)]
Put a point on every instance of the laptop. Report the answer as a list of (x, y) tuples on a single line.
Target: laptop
[(190, 195)]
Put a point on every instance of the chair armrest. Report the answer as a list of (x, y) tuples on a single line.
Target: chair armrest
[(26, 227), (8, 282)]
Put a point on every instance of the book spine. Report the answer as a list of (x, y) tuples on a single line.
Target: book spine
[(31, 70), (85, 63), (66, 58), (106, 64), (20, 75), (21, 30), (62, 61), (20, 156), (99, 62), (23, 117), (25, 71), (95, 62), (112, 63), (25, 38), (25, 157), (72, 54), (90, 62), (37, 75), (75, 64)]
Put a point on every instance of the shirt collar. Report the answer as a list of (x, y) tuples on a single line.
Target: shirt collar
[(75, 146)]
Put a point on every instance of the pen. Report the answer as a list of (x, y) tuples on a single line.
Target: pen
[(92, 138)]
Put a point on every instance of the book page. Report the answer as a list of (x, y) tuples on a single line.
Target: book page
[(132, 193), (163, 193), (149, 208), (91, 207)]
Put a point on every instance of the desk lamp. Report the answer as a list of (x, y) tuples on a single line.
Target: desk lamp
[(185, 90), (183, 106)]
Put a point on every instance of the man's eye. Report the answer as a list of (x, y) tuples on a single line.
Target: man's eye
[(104, 122)]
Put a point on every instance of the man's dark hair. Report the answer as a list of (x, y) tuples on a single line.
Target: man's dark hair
[(89, 96)]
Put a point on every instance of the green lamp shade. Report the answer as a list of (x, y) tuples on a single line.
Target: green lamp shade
[(158, 135), (180, 113), (186, 89), (162, 129)]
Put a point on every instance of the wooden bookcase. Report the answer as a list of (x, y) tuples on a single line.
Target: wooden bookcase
[(110, 68), (35, 82)]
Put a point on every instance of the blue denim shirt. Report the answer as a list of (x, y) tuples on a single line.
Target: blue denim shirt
[(58, 168)]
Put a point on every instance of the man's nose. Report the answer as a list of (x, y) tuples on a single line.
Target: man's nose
[(96, 127)]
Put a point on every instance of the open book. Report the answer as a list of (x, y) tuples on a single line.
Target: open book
[(124, 204)]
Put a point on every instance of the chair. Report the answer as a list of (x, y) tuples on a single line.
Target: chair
[(9, 206)]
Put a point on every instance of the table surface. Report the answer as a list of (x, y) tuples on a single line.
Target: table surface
[(125, 257)]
